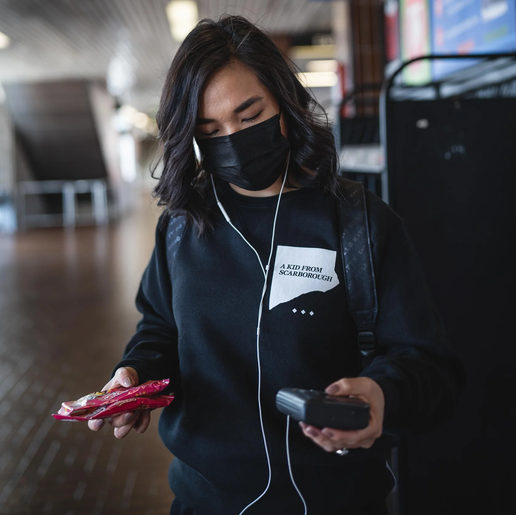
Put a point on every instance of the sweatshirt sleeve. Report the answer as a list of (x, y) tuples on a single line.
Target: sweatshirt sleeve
[(152, 351), (420, 374)]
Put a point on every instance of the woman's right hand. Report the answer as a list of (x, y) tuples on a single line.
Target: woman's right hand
[(138, 420)]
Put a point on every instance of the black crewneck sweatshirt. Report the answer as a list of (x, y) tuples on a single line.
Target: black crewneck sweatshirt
[(199, 299)]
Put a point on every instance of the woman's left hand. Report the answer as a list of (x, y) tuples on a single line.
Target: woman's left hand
[(332, 440)]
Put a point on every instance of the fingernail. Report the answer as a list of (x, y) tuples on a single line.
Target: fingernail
[(128, 416), (327, 432), (99, 423), (126, 382), (333, 388)]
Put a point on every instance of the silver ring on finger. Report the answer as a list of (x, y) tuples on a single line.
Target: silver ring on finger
[(342, 452)]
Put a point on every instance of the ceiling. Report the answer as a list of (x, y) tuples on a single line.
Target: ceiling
[(127, 42)]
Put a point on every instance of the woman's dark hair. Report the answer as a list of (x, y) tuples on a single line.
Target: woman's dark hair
[(210, 46)]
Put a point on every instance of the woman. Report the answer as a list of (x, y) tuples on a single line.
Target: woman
[(228, 320)]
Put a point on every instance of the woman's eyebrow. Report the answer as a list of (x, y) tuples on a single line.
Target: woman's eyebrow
[(242, 107), (248, 103)]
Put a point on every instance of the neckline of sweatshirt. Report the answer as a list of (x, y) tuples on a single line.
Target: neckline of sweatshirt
[(227, 193)]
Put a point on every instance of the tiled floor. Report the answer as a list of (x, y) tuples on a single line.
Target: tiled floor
[(66, 312)]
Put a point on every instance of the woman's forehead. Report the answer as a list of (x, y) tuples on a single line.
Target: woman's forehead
[(229, 88)]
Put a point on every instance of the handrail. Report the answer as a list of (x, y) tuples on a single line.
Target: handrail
[(432, 57)]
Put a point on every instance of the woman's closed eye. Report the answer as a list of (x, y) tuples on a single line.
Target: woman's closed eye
[(252, 117), (244, 120), (206, 135)]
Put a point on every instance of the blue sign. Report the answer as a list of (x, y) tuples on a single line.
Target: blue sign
[(471, 27)]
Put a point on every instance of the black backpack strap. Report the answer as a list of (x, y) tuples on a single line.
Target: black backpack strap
[(175, 230), (357, 264)]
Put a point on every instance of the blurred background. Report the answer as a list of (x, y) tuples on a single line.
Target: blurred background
[(79, 86)]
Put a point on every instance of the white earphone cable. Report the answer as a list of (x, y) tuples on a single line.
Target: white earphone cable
[(260, 311), (290, 466), (228, 220)]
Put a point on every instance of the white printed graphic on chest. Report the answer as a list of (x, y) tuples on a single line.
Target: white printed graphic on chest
[(300, 270)]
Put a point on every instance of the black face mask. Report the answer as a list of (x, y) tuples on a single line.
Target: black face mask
[(251, 159)]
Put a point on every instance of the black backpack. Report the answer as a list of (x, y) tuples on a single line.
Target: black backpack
[(357, 266)]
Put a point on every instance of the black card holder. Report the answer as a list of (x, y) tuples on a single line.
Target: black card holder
[(322, 410)]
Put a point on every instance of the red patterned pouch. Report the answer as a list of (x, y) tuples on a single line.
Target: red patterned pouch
[(118, 400)]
